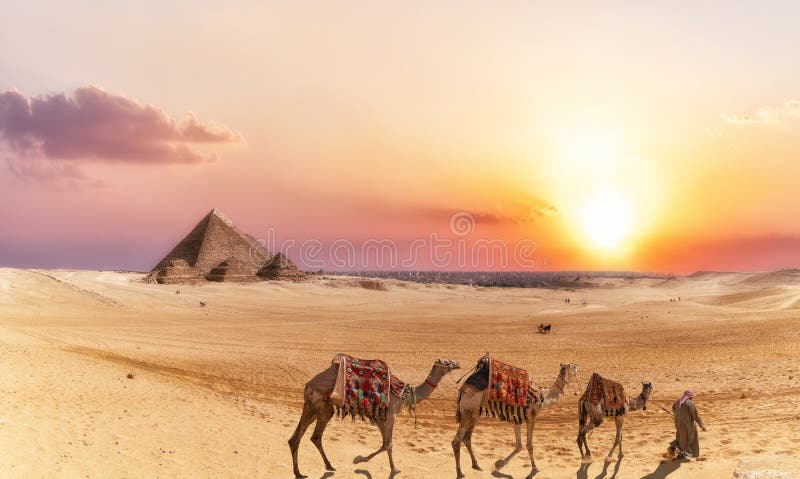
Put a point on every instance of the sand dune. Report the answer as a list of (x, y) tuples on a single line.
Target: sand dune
[(216, 389), (783, 277)]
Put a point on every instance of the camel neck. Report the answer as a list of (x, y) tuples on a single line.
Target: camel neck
[(639, 402), (556, 390), (422, 391)]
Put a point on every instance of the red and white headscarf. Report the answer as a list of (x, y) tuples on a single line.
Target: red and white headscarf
[(688, 394)]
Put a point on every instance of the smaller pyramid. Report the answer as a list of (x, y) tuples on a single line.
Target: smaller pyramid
[(176, 271), (281, 268), (233, 270)]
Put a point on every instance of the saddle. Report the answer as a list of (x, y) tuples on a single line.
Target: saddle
[(611, 393), (359, 387), (508, 390)]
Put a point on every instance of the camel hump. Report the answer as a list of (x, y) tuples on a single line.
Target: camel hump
[(611, 393), (479, 380)]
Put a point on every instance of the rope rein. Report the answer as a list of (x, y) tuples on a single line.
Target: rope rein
[(414, 404)]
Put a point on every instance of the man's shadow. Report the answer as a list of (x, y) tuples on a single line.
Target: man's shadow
[(664, 469)]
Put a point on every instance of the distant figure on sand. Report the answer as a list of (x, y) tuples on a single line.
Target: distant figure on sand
[(544, 329), (686, 443)]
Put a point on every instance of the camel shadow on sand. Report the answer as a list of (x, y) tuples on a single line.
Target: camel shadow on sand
[(367, 474), (583, 470), (503, 475)]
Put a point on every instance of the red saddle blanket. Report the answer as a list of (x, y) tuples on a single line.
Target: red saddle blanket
[(359, 386), (611, 393), (508, 392)]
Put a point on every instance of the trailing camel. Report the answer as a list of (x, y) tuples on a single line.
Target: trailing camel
[(473, 396), (319, 406), (606, 398)]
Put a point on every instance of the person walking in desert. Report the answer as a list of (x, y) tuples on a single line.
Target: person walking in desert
[(687, 442)]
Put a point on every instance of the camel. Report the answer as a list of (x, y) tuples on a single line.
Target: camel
[(595, 412), (468, 411), (319, 407), (545, 328)]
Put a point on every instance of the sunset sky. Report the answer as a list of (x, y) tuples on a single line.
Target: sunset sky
[(648, 136)]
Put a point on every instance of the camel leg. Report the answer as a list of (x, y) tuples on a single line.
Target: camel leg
[(457, 439), (618, 439), (316, 437), (387, 444), (582, 442), (518, 447), (306, 418), (529, 445), (382, 428), (468, 443)]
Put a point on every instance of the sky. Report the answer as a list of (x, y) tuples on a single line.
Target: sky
[(523, 135)]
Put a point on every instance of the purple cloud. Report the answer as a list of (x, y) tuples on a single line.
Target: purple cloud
[(95, 125)]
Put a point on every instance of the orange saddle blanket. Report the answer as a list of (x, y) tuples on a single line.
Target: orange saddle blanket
[(611, 393)]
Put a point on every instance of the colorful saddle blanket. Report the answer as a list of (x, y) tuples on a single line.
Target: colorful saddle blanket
[(508, 393), (360, 387), (610, 392)]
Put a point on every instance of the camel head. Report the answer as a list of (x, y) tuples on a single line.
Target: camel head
[(446, 365), (569, 371), (647, 389)]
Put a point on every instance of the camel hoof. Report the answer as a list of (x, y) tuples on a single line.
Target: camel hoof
[(477, 467), (297, 475), (395, 471), (499, 464), (330, 468), (358, 459), (460, 476)]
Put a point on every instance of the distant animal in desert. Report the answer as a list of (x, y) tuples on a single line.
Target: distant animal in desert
[(202, 304), (605, 398), (318, 406), (473, 397), (545, 329)]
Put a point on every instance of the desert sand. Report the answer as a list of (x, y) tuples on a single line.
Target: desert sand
[(215, 391)]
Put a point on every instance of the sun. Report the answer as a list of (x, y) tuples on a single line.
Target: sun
[(607, 219)]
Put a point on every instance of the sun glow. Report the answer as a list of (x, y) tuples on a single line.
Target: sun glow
[(607, 219)]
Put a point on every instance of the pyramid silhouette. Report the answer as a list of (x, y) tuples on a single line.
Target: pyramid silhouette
[(213, 241)]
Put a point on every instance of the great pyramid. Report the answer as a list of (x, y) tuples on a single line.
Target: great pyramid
[(213, 241), (281, 268)]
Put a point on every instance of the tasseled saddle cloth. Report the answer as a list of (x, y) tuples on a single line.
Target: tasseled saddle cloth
[(360, 387), (612, 394), (508, 390)]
